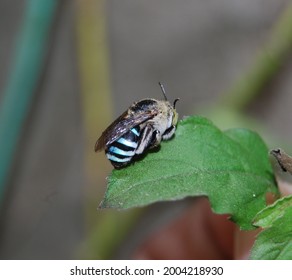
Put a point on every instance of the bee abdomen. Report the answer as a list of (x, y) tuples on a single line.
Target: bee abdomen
[(122, 150)]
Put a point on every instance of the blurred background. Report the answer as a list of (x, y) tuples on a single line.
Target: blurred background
[(69, 68)]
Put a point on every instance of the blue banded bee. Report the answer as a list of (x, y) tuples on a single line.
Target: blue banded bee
[(143, 126)]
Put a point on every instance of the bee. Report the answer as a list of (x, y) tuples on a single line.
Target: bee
[(142, 127)]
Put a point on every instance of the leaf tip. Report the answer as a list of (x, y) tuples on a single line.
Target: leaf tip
[(102, 205)]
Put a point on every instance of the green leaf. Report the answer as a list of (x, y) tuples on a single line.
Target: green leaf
[(271, 213), (275, 242), (232, 168)]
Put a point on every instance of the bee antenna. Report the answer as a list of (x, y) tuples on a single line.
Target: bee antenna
[(163, 90), (174, 102)]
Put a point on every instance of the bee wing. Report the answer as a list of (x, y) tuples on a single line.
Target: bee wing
[(120, 126)]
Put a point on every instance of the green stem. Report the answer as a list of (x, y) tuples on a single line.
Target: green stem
[(25, 73), (266, 66)]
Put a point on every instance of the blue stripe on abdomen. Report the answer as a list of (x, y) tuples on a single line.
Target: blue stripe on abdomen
[(128, 143), (111, 157), (135, 131), (121, 151), (115, 150)]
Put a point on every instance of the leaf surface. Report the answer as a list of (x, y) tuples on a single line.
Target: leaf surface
[(275, 242), (232, 168)]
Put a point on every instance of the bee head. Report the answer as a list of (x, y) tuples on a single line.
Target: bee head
[(175, 114)]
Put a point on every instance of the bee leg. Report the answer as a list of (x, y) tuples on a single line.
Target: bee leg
[(156, 139), (168, 133), (147, 139)]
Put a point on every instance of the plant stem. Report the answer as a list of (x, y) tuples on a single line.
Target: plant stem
[(31, 48), (266, 66)]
